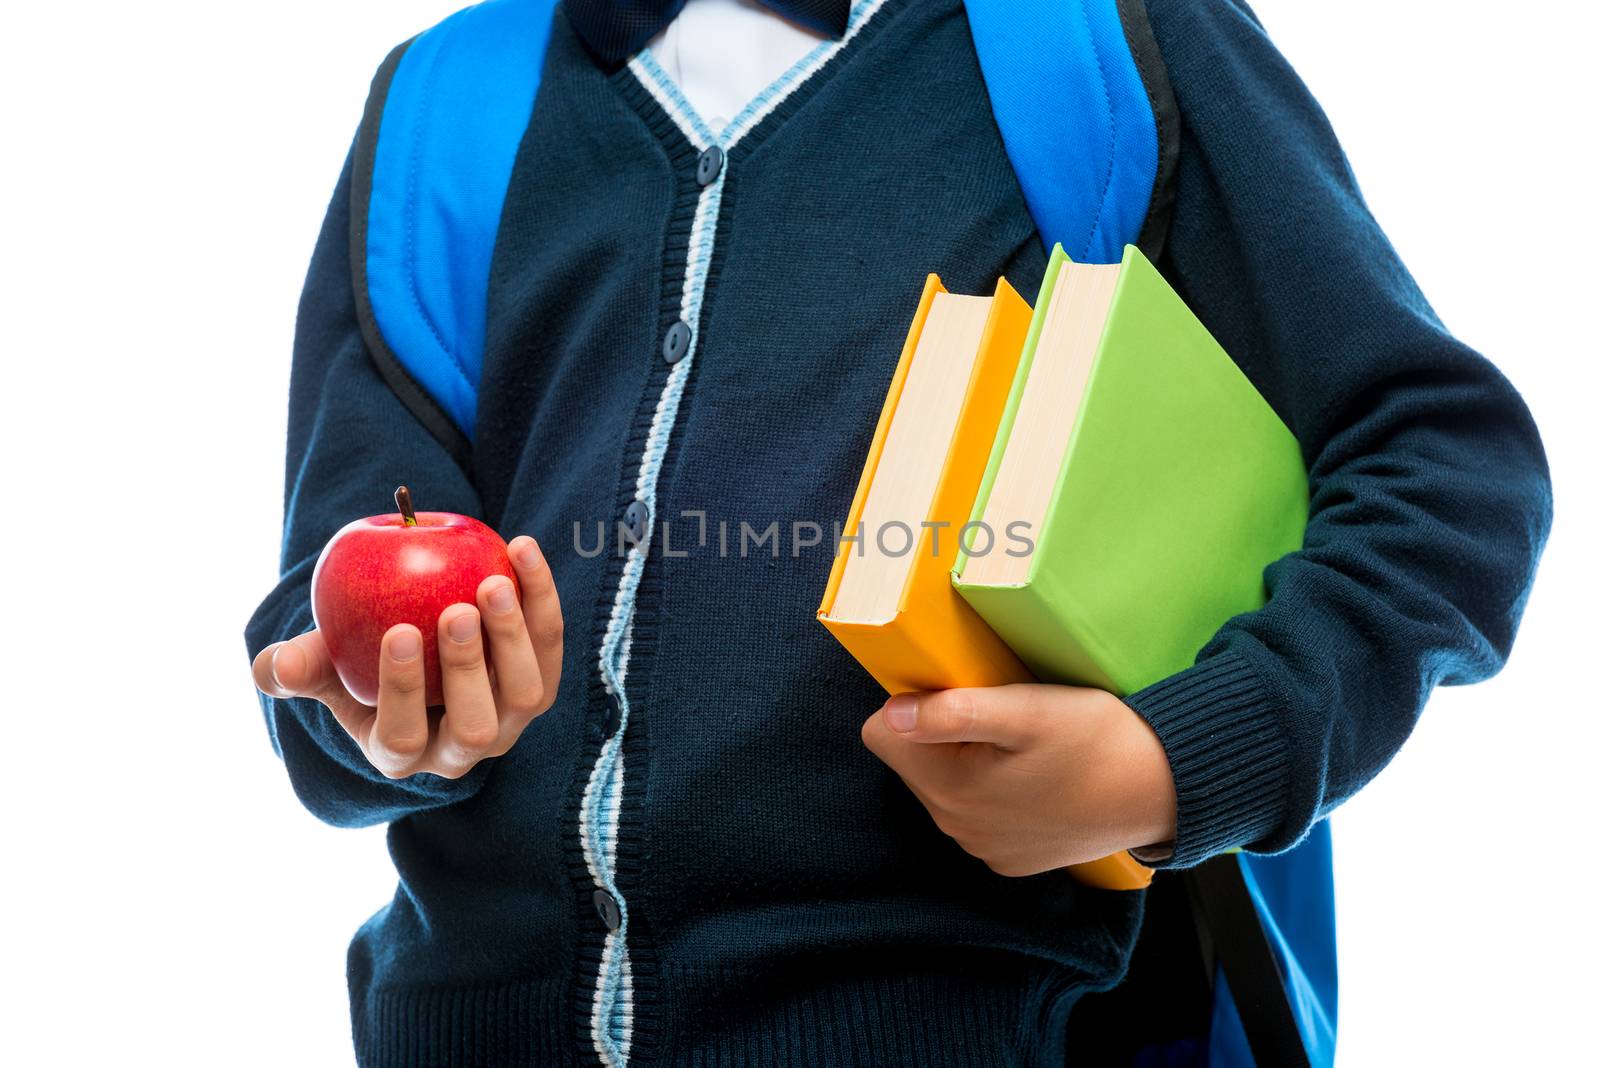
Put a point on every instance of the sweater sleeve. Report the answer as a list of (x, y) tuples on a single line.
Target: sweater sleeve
[(1430, 493), (350, 443)]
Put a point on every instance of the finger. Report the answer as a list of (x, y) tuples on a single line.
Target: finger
[(541, 608), (1007, 716), (470, 724), (518, 686), (927, 769), (397, 738), (303, 667)]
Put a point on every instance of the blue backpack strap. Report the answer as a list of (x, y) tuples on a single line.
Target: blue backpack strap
[(448, 109), (1293, 897), (1088, 119), (433, 159), (1270, 926)]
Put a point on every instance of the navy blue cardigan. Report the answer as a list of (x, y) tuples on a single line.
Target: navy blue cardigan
[(788, 899)]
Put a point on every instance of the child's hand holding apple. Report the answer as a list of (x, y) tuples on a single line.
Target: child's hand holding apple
[(493, 663)]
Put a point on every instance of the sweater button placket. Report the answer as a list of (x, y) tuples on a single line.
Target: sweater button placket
[(611, 1015)]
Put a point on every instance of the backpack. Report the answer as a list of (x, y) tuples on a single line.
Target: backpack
[(432, 162)]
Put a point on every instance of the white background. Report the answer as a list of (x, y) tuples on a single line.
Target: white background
[(163, 173)]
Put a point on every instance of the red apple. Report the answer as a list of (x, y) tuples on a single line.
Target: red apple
[(403, 567)]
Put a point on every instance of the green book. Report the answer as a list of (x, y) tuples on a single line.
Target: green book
[(1137, 487)]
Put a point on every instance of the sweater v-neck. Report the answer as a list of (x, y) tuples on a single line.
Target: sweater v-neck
[(768, 109)]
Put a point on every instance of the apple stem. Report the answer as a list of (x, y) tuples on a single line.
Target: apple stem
[(402, 500)]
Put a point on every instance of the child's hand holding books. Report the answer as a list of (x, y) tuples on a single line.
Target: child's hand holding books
[(1027, 777)]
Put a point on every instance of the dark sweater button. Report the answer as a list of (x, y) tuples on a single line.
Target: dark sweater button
[(637, 521), (676, 344), (606, 906), (613, 720), (709, 166)]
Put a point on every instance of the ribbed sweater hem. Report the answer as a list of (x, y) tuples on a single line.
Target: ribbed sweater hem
[(523, 1023), (945, 1020)]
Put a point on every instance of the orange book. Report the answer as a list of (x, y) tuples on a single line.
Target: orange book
[(889, 598)]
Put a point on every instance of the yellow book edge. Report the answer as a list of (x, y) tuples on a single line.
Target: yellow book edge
[(930, 289), (935, 640)]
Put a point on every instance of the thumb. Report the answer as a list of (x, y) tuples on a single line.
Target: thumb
[(303, 667), (299, 667), (1001, 715)]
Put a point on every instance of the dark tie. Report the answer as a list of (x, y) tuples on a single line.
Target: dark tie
[(616, 29)]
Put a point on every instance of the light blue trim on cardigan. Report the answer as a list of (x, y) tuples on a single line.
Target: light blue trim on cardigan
[(612, 1025)]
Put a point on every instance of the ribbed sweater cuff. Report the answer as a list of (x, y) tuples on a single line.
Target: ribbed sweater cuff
[(1224, 740)]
